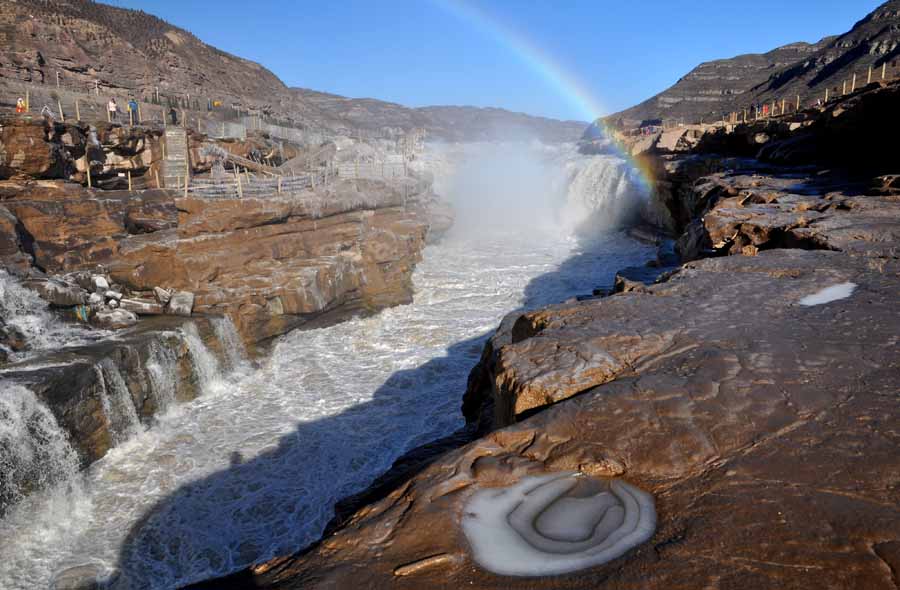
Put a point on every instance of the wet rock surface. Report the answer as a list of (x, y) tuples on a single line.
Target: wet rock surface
[(764, 430)]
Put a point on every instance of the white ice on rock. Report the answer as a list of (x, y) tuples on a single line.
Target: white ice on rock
[(545, 525), (829, 294)]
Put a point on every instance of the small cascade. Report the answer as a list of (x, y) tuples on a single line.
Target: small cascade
[(206, 366), (35, 453), (22, 309), (603, 192), (231, 342), (117, 402), (162, 370)]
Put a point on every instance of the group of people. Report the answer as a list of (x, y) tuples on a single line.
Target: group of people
[(113, 107)]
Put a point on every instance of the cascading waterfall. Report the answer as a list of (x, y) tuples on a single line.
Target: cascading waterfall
[(22, 309), (162, 370), (35, 453), (230, 341), (205, 365), (602, 192), (118, 404)]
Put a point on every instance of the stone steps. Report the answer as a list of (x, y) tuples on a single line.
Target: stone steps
[(176, 163)]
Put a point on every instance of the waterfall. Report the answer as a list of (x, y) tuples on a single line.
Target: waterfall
[(231, 342), (22, 309), (117, 402), (163, 372), (34, 451), (206, 367), (602, 192)]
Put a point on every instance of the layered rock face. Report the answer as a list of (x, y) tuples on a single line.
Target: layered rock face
[(804, 69), (752, 392), (270, 264)]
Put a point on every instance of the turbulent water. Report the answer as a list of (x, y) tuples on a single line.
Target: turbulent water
[(32, 317), (252, 468)]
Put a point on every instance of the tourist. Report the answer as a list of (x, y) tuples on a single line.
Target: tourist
[(173, 115), (20, 105), (133, 110), (113, 109)]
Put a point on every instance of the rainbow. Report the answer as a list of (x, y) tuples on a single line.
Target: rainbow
[(568, 86)]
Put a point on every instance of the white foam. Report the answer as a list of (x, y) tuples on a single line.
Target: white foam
[(535, 528), (829, 294)]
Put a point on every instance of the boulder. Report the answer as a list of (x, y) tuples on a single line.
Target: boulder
[(113, 319), (95, 300), (114, 295), (181, 303), (12, 337), (99, 284), (162, 296), (58, 292), (141, 306)]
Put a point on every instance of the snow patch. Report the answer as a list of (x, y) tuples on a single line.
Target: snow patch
[(829, 294)]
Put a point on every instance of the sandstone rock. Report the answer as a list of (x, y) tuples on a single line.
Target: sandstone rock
[(114, 319), (162, 296), (95, 300), (113, 295), (58, 292), (181, 303), (142, 306)]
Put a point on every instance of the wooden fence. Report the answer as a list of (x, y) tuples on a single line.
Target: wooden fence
[(786, 105)]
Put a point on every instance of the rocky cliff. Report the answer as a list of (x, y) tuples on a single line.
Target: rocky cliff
[(804, 69), (751, 392), (132, 52)]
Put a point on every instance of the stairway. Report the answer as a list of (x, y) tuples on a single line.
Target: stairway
[(175, 166)]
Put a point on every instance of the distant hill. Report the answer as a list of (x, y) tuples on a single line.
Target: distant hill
[(804, 69), (133, 52)]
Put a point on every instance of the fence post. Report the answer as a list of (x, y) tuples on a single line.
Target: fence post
[(782, 106), (97, 87), (279, 185), (62, 115), (844, 89), (87, 160), (156, 174), (883, 70), (157, 94), (140, 117), (798, 103), (853, 87), (129, 179), (869, 76), (826, 94), (77, 111)]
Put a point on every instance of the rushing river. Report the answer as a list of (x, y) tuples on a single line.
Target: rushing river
[(252, 468)]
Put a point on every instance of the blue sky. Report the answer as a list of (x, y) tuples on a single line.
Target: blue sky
[(427, 52)]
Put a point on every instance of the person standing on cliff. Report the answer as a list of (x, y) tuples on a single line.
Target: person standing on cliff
[(173, 115), (132, 110), (20, 105), (113, 109)]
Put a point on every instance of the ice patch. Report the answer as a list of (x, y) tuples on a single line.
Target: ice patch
[(556, 524), (829, 294)]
